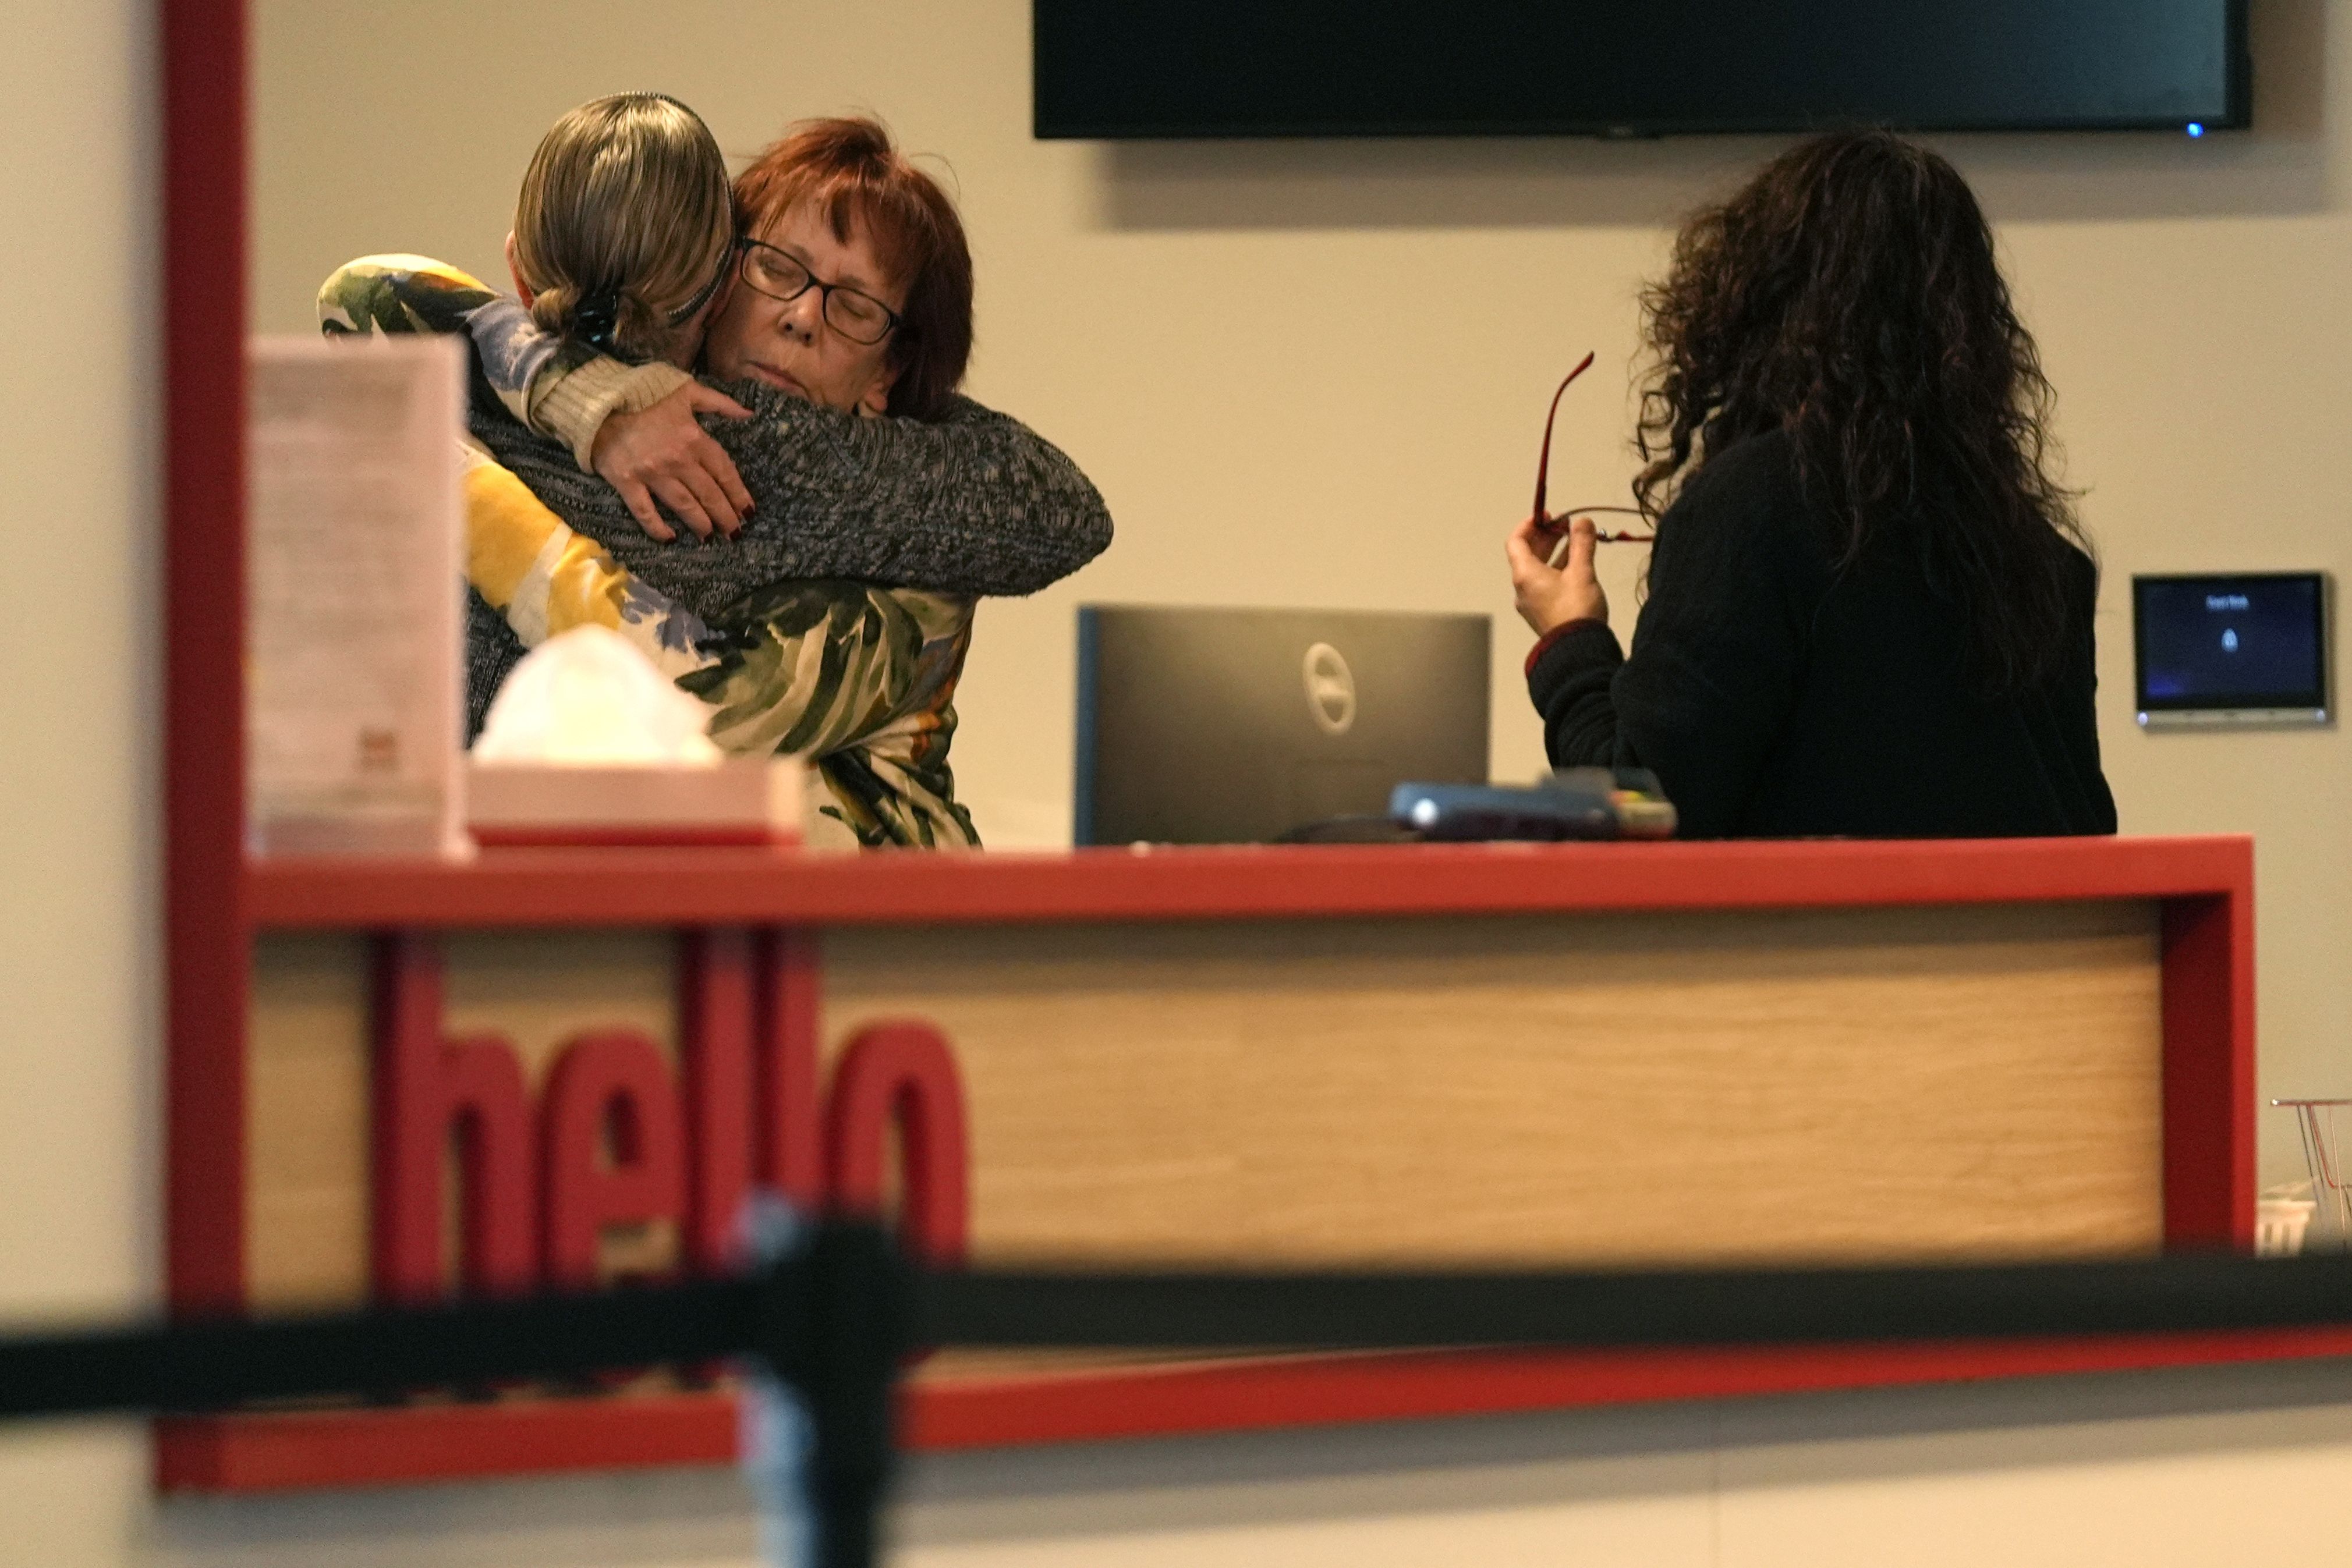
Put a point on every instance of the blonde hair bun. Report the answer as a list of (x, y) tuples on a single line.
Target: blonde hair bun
[(624, 222)]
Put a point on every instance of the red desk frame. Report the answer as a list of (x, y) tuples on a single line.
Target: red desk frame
[(2203, 886)]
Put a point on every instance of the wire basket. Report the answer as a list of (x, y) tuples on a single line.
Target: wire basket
[(2330, 1229), (2282, 1219)]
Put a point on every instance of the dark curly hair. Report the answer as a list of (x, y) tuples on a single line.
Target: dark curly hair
[(1848, 296)]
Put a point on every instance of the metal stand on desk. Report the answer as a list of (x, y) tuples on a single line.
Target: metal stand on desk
[(2331, 1221)]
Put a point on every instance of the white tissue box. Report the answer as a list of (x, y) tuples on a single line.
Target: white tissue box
[(743, 801)]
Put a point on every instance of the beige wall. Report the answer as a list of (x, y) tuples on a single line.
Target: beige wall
[(1315, 374), (1261, 355), (78, 736)]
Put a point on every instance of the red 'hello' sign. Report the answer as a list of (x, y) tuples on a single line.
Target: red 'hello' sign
[(616, 1138)]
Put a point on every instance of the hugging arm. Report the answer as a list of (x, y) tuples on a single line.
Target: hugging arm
[(529, 575), (538, 377), (975, 502)]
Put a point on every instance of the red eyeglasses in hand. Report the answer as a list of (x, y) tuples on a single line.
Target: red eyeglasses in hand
[(1557, 523)]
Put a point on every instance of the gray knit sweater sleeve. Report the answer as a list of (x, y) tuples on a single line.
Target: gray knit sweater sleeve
[(975, 503)]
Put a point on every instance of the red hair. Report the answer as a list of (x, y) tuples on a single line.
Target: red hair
[(853, 173)]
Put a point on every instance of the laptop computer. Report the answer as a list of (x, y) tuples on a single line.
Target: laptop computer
[(1206, 727)]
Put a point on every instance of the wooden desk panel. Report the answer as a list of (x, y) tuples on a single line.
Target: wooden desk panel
[(1820, 1085), (1834, 1084)]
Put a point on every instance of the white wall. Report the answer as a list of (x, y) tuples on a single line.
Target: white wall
[(1251, 349), (79, 739)]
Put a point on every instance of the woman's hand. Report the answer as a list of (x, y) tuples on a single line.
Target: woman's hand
[(662, 451), (1549, 596)]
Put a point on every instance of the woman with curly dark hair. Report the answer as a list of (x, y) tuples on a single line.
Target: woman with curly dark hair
[(1869, 605)]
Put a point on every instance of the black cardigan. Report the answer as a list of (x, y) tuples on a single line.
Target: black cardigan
[(1778, 698)]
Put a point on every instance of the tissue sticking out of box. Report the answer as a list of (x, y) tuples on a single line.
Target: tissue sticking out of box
[(587, 698)]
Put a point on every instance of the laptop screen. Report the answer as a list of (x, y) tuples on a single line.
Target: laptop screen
[(1204, 727)]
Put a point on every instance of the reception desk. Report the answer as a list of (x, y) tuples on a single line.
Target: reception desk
[(565, 1066)]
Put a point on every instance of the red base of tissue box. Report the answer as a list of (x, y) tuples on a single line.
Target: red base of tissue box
[(744, 800)]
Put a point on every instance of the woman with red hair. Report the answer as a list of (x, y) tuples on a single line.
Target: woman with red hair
[(851, 289)]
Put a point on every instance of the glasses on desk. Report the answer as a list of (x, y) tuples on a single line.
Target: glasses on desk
[(1543, 475)]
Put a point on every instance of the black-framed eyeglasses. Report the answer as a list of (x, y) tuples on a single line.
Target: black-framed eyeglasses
[(852, 312)]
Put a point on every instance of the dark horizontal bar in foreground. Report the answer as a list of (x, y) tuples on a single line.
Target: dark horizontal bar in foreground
[(1328, 1310), (384, 1351), (200, 1366)]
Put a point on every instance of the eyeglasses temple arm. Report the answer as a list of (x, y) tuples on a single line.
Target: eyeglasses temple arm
[(1543, 460)]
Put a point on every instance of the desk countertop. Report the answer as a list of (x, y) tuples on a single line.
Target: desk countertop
[(689, 886)]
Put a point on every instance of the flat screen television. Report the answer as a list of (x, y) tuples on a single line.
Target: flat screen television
[(1116, 69)]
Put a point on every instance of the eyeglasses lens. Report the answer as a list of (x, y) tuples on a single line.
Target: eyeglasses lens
[(856, 317), (773, 273)]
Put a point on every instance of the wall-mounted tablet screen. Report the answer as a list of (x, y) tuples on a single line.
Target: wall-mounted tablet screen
[(2248, 648)]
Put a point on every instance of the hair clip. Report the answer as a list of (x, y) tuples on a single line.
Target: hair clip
[(597, 318)]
